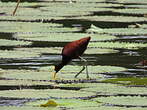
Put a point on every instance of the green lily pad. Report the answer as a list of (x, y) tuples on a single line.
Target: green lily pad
[(45, 93), (107, 89), (118, 19), (23, 82), (4, 42), (69, 103), (75, 108), (131, 11), (29, 27), (136, 6), (52, 50), (117, 45), (17, 54), (132, 1), (44, 75), (118, 31), (68, 72), (132, 101), (28, 18), (52, 10), (128, 81), (61, 37), (25, 108)]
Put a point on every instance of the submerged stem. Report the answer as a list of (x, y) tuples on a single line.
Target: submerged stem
[(16, 7)]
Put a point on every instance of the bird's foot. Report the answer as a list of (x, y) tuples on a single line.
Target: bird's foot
[(88, 78)]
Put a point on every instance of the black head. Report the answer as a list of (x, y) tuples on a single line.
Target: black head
[(58, 67)]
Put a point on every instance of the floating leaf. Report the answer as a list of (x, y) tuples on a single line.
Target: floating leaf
[(55, 10), (25, 108), (126, 101), (74, 108), (128, 81), (23, 82), (69, 103), (28, 27), (30, 18), (50, 103), (136, 6), (131, 11), (4, 42), (52, 50), (107, 89), (118, 31), (131, 1), (83, 108), (123, 45), (17, 54), (61, 37), (119, 19), (44, 93), (21, 25), (44, 73)]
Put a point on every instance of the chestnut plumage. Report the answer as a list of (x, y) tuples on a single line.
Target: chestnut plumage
[(73, 50)]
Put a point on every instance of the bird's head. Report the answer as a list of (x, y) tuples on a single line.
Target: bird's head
[(56, 70)]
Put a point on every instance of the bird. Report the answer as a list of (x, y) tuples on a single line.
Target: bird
[(73, 50)]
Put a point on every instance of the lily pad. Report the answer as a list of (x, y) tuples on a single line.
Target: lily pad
[(107, 89), (132, 11), (4, 42), (136, 6), (119, 19), (128, 81), (126, 101), (75, 108), (68, 103), (17, 54), (43, 75), (28, 27), (62, 37), (23, 82), (52, 50), (68, 72), (25, 108), (27, 18), (118, 45), (118, 31), (45, 93), (130, 1)]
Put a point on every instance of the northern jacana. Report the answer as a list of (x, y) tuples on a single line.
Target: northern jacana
[(73, 50)]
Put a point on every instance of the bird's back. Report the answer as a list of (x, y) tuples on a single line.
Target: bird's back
[(76, 48)]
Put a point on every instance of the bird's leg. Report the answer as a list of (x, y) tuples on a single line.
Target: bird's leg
[(83, 67), (16, 7), (79, 72)]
